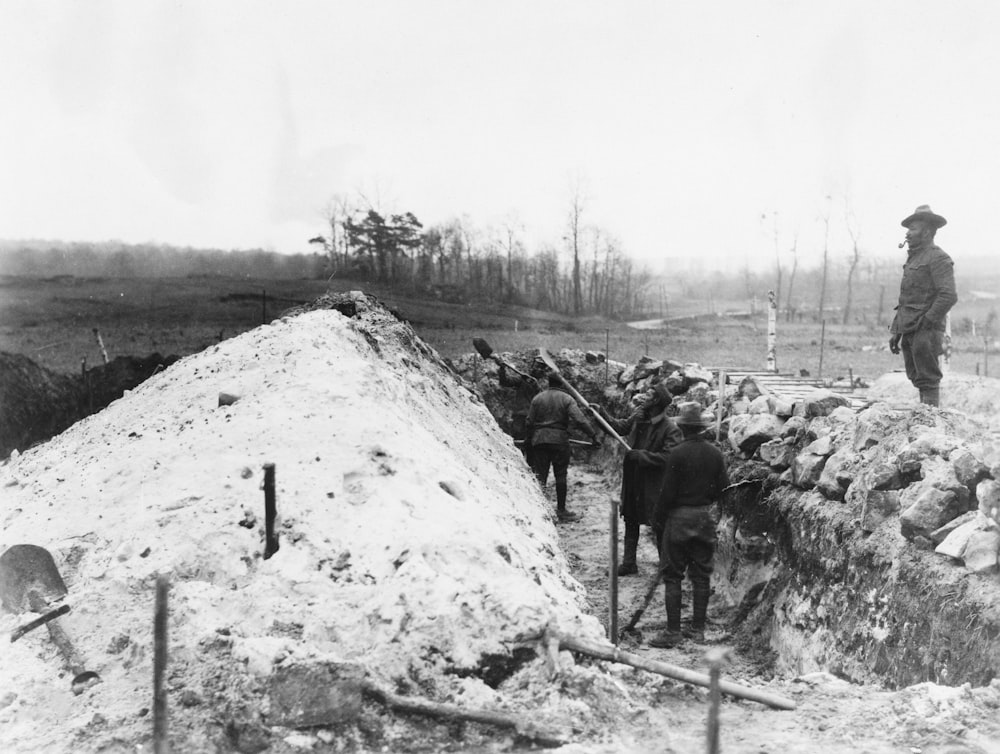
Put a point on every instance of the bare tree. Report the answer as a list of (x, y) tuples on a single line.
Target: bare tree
[(826, 256), (575, 215), (779, 271), (512, 225), (855, 234), (789, 308)]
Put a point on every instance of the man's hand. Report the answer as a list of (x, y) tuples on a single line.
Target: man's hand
[(595, 442), (894, 342), (633, 455)]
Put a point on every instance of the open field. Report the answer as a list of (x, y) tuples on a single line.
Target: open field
[(52, 321)]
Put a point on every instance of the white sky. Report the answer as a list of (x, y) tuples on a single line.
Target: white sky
[(232, 123)]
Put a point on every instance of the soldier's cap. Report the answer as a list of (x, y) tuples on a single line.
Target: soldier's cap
[(691, 414), (923, 212)]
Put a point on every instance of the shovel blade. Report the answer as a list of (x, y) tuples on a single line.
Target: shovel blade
[(482, 347), (549, 361), (27, 569)]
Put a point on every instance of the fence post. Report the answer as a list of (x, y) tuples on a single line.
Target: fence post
[(722, 398), (822, 345), (772, 332), (263, 306), (946, 345), (607, 353)]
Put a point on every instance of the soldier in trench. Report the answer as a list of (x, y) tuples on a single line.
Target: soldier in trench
[(551, 413), (651, 435), (693, 481), (525, 389), (926, 294)]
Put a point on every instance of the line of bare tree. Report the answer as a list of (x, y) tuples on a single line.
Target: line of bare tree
[(457, 260)]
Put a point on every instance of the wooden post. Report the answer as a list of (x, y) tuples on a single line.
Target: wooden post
[(772, 332), (160, 741), (613, 574), (718, 408), (822, 345), (100, 344), (263, 306), (607, 353), (270, 512)]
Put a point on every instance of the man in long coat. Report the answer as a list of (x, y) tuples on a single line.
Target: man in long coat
[(651, 435)]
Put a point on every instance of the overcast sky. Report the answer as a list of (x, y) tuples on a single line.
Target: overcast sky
[(231, 123)]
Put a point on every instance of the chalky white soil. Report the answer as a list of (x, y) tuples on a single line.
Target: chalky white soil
[(413, 542)]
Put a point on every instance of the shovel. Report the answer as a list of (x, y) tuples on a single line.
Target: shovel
[(30, 581), (551, 364), (487, 353)]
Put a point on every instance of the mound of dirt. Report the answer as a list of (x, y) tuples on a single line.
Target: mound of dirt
[(413, 545), (37, 403)]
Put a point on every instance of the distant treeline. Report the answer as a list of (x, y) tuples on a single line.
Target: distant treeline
[(121, 260)]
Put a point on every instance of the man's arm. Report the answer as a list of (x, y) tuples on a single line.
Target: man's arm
[(656, 456), (943, 276), (576, 415), (668, 492)]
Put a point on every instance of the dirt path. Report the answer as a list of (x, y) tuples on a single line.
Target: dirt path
[(832, 715)]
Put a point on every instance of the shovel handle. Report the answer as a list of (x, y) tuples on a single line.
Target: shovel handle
[(551, 364), (17, 633), (511, 367), (600, 419)]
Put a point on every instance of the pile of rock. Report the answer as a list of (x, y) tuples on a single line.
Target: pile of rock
[(921, 469)]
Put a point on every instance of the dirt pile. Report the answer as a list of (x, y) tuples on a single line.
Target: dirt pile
[(413, 544), (37, 403)]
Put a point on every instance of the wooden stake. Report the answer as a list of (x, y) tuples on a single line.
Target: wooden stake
[(822, 345), (613, 574), (718, 409), (270, 512), (160, 740), (100, 344)]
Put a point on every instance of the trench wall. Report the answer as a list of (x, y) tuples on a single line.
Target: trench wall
[(820, 594)]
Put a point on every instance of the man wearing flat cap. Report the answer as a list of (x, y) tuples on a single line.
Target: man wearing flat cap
[(926, 294)]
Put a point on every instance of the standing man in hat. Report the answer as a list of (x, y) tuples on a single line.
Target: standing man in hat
[(549, 417), (651, 435), (926, 293), (525, 389), (694, 479)]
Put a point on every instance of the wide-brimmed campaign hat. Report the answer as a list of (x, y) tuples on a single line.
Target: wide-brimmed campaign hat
[(691, 414), (923, 212)]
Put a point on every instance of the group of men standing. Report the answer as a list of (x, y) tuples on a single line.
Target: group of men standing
[(672, 475)]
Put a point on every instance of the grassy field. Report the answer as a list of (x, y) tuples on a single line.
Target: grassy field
[(52, 322)]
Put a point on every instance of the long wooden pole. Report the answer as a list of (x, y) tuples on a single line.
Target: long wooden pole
[(580, 399), (613, 654)]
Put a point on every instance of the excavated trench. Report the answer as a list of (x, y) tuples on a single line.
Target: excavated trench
[(803, 587), (816, 593)]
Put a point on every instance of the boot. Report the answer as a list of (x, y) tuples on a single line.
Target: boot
[(561, 487), (564, 516), (628, 566), (930, 395), (699, 612), (672, 636)]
